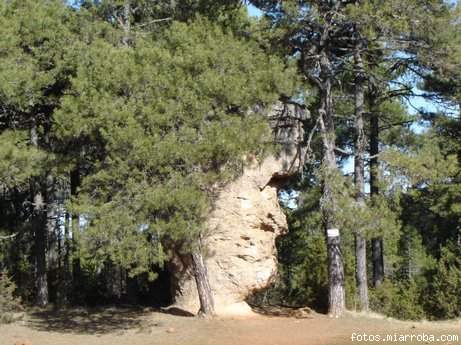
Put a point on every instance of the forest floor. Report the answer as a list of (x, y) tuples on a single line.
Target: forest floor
[(120, 326)]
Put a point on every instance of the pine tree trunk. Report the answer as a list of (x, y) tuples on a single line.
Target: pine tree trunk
[(67, 244), (40, 232), (361, 271), (378, 261), (337, 296), (359, 180), (76, 267), (41, 271), (52, 256), (377, 245), (60, 272), (126, 40), (65, 271), (203, 285)]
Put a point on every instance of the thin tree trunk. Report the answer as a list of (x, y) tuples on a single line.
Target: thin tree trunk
[(337, 296), (40, 247), (60, 290), (377, 243), (76, 267), (40, 232), (361, 271), (203, 285), (67, 244), (65, 271), (51, 229), (126, 40), (359, 168)]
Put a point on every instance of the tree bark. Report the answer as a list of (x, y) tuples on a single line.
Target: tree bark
[(377, 243), (66, 278), (126, 40), (40, 232), (76, 267), (203, 285), (337, 296), (361, 271), (40, 247), (359, 180)]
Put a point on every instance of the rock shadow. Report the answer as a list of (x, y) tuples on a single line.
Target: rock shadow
[(177, 312)]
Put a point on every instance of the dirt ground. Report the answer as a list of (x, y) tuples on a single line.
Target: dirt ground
[(115, 326)]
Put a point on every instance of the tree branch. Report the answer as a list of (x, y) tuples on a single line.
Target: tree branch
[(343, 151), (9, 237), (156, 21)]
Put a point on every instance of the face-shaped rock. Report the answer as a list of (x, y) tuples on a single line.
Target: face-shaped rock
[(240, 252)]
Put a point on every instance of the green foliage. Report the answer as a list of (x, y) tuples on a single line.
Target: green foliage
[(18, 161), (156, 124), (303, 278), (172, 120), (413, 260), (302, 253), (145, 12), (432, 292), (425, 164), (400, 299), (9, 303), (37, 53), (444, 299)]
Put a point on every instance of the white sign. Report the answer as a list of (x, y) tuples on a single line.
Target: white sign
[(332, 232)]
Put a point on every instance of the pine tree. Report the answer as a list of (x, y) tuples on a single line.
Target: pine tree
[(445, 299), (8, 301), (35, 68), (170, 119), (359, 174)]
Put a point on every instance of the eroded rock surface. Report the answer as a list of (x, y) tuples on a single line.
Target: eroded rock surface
[(241, 255)]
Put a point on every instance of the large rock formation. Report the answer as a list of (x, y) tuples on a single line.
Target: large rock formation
[(241, 254)]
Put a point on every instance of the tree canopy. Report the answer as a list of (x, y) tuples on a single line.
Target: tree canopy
[(122, 120)]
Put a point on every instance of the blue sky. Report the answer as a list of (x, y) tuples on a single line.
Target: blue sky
[(253, 11), (414, 103)]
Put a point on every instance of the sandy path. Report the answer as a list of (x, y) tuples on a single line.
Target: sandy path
[(130, 327)]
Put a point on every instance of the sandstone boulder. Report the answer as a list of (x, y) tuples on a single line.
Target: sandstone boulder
[(241, 255)]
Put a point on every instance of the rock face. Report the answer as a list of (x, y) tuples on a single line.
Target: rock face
[(241, 255)]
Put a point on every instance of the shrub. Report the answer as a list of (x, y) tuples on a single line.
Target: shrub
[(400, 300), (9, 303), (444, 292)]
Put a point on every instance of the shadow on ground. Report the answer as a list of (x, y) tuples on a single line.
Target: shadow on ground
[(177, 312), (87, 321), (284, 311), (95, 321)]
